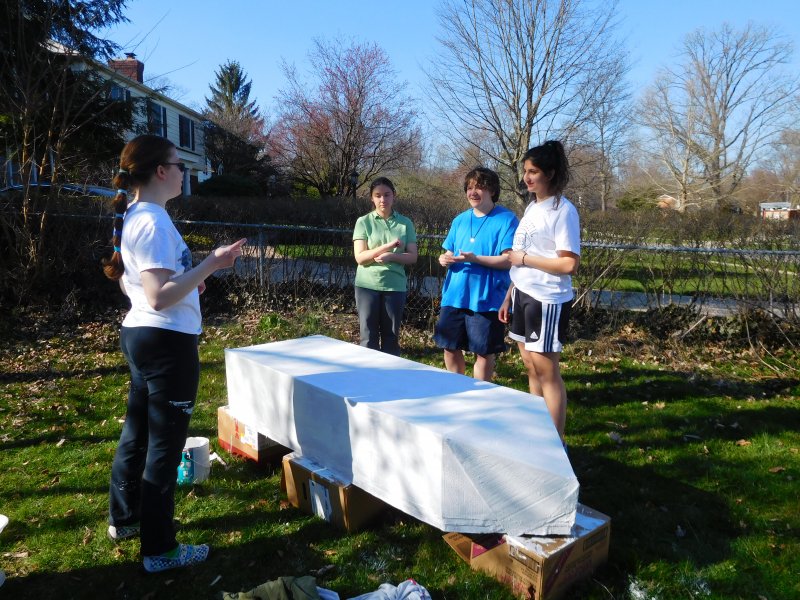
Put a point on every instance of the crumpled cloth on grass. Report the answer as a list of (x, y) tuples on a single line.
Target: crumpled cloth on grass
[(283, 588), (407, 590)]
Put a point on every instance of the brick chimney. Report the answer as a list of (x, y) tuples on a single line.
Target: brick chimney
[(129, 66)]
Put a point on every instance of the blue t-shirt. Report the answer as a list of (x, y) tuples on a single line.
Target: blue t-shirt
[(473, 286)]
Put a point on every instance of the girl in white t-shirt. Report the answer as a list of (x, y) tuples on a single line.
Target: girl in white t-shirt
[(545, 255), (159, 341)]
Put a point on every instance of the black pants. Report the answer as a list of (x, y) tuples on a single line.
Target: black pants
[(165, 370)]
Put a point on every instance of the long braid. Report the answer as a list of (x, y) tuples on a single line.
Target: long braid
[(113, 267), (139, 159)]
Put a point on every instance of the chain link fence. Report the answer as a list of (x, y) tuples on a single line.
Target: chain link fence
[(285, 266)]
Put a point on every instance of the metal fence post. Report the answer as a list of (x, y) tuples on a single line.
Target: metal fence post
[(261, 250)]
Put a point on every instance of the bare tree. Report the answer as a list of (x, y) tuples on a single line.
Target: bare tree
[(357, 120), (585, 180), (716, 112), (514, 70), (673, 135), (760, 185), (786, 159), (607, 125)]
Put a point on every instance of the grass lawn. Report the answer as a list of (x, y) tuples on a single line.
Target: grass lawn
[(722, 276), (692, 274), (693, 452)]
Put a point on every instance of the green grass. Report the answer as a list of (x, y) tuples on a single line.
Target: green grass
[(693, 452), (427, 247), (690, 274), (315, 251), (644, 272)]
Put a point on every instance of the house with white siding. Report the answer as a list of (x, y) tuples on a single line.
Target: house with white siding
[(162, 115)]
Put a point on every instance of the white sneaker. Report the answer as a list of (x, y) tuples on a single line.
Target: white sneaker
[(187, 555), (123, 532)]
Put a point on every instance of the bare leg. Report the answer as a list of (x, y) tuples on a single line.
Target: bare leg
[(553, 390), (454, 361), (484, 367), (533, 379)]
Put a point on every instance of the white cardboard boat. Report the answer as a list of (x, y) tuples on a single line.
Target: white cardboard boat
[(460, 454)]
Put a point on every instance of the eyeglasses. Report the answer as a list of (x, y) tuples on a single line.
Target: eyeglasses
[(181, 166)]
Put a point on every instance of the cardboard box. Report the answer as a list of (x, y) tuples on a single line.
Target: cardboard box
[(540, 568), (237, 438), (317, 491)]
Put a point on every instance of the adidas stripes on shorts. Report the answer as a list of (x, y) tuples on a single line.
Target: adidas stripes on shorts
[(540, 326)]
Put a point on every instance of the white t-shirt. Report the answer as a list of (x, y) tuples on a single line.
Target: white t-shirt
[(150, 241), (543, 231)]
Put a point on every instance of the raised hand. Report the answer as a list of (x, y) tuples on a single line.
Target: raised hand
[(227, 255)]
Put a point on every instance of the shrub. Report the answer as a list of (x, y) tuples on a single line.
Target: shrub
[(228, 184), (197, 241), (638, 199)]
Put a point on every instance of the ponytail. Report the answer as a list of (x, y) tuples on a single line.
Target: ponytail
[(113, 267), (551, 159), (139, 159)]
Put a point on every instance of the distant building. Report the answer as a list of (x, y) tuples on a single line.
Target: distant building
[(780, 211), (667, 201), (162, 115)]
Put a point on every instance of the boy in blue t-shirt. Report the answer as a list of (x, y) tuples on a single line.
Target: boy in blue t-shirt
[(476, 249)]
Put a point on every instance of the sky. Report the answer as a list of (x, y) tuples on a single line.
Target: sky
[(186, 41)]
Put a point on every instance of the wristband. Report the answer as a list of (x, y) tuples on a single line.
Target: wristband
[(523, 261)]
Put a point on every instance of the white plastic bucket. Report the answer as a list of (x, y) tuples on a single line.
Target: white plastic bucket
[(195, 463), (3, 523)]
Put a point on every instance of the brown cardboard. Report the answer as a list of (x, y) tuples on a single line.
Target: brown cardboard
[(540, 568), (317, 491), (237, 438)]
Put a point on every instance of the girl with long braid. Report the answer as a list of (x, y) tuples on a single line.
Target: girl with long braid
[(159, 341)]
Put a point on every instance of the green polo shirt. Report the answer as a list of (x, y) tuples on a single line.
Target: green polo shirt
[(387, 277)]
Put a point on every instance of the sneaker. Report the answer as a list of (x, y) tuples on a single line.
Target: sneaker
[(186, 555), (123, 532)]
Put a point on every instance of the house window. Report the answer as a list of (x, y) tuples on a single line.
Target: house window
[(157, 119), (186, 127), (119, 93)]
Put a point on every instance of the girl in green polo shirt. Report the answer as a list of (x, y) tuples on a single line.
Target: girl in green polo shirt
[(384, 241)]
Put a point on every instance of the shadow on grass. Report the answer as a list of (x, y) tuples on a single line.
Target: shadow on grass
[(656, 401), (237, 567), (654, 518), (632, 385), (52, 375), (647, 508), (52, 439)]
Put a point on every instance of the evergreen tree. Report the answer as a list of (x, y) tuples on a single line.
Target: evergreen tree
[(230, 97), (52, 111), (235, 135), (55, 117)]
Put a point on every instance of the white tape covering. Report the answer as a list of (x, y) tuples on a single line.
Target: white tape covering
[(460, 454)]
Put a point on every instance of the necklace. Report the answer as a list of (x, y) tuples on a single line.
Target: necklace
[(483, 222)]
